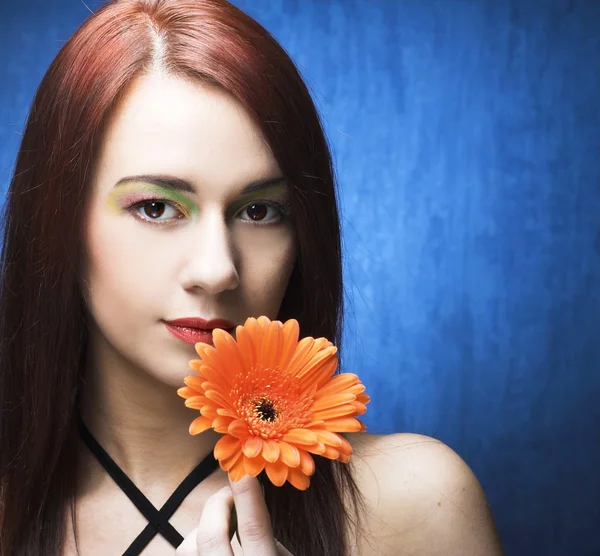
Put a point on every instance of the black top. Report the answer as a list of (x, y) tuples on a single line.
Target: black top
[(157, 519)]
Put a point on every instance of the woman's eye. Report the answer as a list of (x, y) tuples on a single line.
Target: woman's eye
[(155, 210), (262, 212)]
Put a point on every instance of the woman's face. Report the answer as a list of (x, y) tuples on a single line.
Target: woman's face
[(187, 218)]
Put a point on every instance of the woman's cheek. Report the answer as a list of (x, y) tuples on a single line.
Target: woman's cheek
[(267, 264), (122, 269)]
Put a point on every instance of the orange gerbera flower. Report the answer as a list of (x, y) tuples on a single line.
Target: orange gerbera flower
[(275, 399)]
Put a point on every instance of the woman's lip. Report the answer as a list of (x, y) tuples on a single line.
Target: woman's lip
[(201, 324), (191, 335)]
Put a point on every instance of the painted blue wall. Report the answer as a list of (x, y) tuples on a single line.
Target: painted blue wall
[(466, 135)]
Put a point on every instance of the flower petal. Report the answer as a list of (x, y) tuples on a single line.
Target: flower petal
[(254, 466), (220, 362), (277, 472), (329, 438), (301, 364), (200, 424), (301, 354), (186, 392), (227, 463), (289, 454), (253, 446), (214, 376), (345, 448), (208, 355), (317, 360), (335, 412), (344, 424), (338, 383), (263, 321), (256, 332), (331, 453), (320, 374), (196, 402), (221, 423), (363, 398), (272, 343), (270, 450), (225, 344), (238, 428), (307, 463), (291, 332), (195, 364), (300, 436), (357, 389), (209, 411), (218, 398), (359, 408), (200, 347), (248, 350), (298, 479), (237, 471), (332, 401), (227, 412), (195, 382), (316, 448), (226, 447)]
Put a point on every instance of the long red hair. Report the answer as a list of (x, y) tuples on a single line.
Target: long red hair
[(43, 331)]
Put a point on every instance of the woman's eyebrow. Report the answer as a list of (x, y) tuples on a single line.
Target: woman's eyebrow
[(179, 184)]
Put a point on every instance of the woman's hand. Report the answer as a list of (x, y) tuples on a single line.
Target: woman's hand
[(211, 537)]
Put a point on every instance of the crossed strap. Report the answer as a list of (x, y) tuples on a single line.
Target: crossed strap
[(158, 520)]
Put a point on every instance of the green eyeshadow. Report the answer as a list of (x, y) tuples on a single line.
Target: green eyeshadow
[(127, 194), (271, 192)]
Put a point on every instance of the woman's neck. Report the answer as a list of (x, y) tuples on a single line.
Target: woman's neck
[(141, 423)]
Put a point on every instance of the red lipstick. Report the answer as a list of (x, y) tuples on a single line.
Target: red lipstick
[(192, 330)]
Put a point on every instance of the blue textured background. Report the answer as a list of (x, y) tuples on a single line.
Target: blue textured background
[(466, 135)]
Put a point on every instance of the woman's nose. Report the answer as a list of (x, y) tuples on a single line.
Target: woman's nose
[(210, 263)]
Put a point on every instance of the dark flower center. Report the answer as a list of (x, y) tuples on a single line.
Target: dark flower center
[(266, 410)]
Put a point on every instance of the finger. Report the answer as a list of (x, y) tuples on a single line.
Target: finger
[(212, 533), (188, 546), (236, 547), (254, 523), (281, 550)]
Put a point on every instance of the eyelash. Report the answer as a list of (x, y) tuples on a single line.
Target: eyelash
[(283, 208)]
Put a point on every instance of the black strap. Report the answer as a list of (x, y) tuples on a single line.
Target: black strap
[(158, 520)]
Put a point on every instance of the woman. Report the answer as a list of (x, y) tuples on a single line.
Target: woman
[(173, 166)]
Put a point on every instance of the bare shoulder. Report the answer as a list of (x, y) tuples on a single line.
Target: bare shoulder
[(421, 498)]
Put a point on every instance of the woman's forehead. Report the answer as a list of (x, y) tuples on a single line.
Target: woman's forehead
[(168, 125)]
